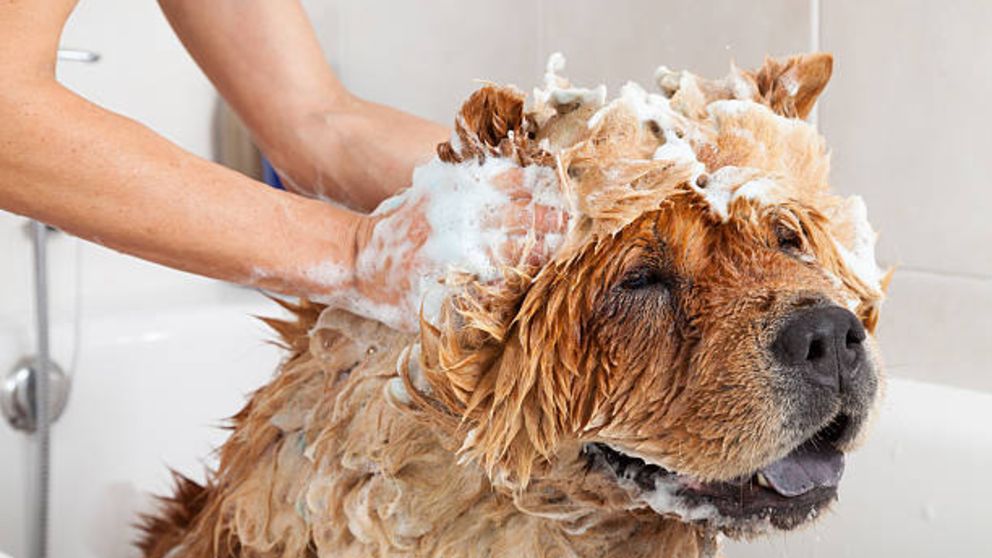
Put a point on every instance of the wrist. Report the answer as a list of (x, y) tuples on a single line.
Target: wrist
[(319, 252)]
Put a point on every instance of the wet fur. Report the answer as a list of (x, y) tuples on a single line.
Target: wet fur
[(478, 453)]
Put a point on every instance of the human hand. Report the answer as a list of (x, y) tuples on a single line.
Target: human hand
[(469, 218)]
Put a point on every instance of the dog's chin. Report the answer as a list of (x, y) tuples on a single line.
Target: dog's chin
[(782, 495)]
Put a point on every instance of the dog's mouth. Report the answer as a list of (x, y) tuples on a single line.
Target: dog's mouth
[(783, 494)]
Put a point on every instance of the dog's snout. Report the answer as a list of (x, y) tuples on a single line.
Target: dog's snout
[(824, 344)]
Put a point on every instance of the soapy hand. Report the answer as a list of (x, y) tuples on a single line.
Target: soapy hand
[(468, 217)]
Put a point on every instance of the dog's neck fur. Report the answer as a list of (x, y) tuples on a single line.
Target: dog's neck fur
[(323, 461)]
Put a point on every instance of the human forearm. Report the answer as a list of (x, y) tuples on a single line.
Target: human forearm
[(106, 178), (358, 155), (264, 58)]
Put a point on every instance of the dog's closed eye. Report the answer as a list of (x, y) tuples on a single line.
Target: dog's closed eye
[(788, 239), (645, 277), (640, 293)]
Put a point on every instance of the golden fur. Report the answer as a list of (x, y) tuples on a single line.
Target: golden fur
[(470, 447)]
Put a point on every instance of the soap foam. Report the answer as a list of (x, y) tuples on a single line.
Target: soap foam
[(463, 207), (558, 91), (860, 257), (665, 500)]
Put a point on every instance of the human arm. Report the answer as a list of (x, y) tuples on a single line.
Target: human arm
[(93, 173), (264, 58)]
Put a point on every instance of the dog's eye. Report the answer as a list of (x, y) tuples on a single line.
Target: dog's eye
[(788, 239), (645, 278)]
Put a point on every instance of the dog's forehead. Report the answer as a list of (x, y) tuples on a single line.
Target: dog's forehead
[(687, 237)]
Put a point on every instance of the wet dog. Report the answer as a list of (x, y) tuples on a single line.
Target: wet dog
[(695, 359)]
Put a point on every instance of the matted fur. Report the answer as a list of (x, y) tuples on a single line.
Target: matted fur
[(346, 453)]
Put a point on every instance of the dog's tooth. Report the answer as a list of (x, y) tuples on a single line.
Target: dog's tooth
[(762, 481)]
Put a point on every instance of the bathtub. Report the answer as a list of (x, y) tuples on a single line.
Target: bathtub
[(153, 384), (151, 388)]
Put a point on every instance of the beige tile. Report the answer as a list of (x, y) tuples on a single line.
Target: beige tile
[(424, 57), (938, 328), (907, 116), (629, 39)]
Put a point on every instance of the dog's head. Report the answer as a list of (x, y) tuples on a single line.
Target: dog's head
[(701, 344)]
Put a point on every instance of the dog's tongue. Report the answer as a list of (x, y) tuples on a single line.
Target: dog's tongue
[(804, 469)]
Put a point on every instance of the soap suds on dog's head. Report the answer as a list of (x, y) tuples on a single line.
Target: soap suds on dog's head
[(860, 255), (558, 91), (458, 195)]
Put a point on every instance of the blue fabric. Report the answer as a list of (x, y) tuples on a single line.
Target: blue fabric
[(270, 176)]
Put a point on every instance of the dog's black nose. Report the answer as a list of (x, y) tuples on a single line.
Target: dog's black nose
[(824, 344)]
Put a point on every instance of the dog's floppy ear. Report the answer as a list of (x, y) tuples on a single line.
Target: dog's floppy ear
[(505, 375), (791, 86), (492, 123), (486, 386)]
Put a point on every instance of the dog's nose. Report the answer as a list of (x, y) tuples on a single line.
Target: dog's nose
[(824, 344)]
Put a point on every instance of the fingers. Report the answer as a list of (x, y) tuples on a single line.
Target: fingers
[(510, 218), (550, 219), (512, 251), (511, 182), (541, 219), (522, 210), (532, 234), (529, 250)]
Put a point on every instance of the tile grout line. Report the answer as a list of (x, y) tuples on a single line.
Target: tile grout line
[(814, 46), (982, 277)]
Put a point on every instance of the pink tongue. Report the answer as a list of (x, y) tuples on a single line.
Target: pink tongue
[(804, 469)]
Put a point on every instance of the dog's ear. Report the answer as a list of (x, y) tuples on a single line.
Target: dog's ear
[(791, 86), (504, 375), (492, 123)]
